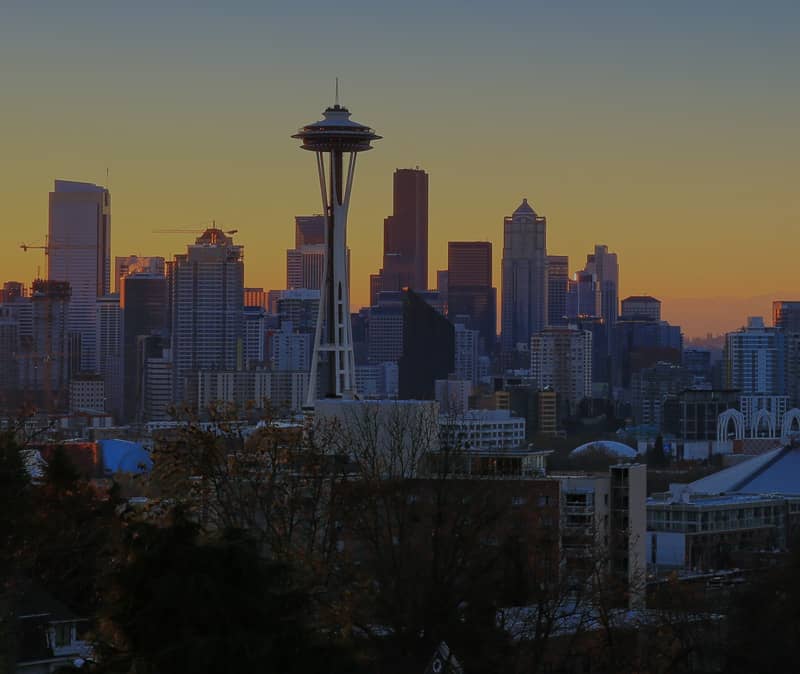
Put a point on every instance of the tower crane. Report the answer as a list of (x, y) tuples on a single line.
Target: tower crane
[(185, 230)]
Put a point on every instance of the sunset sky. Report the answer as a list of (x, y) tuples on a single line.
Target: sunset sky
[(669, 132)]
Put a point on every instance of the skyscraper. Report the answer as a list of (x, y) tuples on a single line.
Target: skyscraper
[(9, 352), (637, 306), (583, 295), (786, 315), (561, 360), (143, 303), (469, 288), (754, 359), (129, 264), (604, 266), (207, 289), (79, 252), (309, 230), (524, 276), (109, 351), (405, 233), (428, 348), (557, 283), (45, 368), (305, 267)]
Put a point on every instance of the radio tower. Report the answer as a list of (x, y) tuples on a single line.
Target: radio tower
[(336, 135)]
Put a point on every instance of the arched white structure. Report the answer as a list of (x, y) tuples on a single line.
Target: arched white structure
[(760, 416), (723, 423), (786, 426)]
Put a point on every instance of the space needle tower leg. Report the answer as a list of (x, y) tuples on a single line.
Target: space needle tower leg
[(334, 330), (341, 139)]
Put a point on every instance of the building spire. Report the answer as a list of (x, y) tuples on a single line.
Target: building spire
[(337, 92)]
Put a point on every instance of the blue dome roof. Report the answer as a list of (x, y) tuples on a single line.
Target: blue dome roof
[(607, 446), (122, 456)]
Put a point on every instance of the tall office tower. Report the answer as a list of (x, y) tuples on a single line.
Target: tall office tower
[(154, 398), (605, 267), (557, 284), (428, 348), (786, 315), (290, 351), (583, 295), (207, 308), (754, 359), (79, 252), (524, 276), (641, 306), (651, 386), (134, 264), (601, 356), (309, 230), (405, 233), (305, 266), (561, 360), (375, 288), (300, 308), (109, 351), (469, 288), (12, 290), (255, 335), (45, 367), (385, 334), (144, 307), (9, 353), (305, 263), (336, 136), (791, 366), (641, 342)]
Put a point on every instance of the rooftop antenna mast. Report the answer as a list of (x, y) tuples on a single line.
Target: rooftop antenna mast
[(337, 92)]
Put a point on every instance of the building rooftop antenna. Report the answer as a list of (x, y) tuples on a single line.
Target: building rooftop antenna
[(337, 92)]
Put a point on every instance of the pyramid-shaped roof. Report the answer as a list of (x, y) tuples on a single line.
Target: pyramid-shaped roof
[(524, 209)]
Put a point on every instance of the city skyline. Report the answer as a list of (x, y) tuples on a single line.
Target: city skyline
[(639, 132)]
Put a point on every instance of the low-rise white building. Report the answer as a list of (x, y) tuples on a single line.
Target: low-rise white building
[(483, 429)]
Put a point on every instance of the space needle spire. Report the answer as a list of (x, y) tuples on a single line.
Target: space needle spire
[(337, 136)]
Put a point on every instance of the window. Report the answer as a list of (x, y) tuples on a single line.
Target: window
[(63, 634)]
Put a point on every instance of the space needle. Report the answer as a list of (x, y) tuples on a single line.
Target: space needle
[(335, 135)]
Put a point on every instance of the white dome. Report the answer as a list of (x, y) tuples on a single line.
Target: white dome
[(608, 446)]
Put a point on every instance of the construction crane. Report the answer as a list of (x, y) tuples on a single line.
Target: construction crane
[(193, 230), (54, 246)]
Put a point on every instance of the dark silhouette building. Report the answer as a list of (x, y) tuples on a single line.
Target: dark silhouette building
[(405, 233), (428, 348), (643, 342), (144, 305), (557, 284), (469, 288)]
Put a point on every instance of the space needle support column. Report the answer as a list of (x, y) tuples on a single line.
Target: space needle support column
[(335, 135)]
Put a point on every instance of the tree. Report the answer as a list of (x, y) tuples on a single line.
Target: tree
[(184, 602), (764, 624), (15, 502), (15, 511), (72, 525), (656, 457)]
